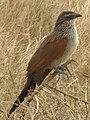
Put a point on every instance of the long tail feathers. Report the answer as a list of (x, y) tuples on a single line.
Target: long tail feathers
[(23, 94), (30, 84)]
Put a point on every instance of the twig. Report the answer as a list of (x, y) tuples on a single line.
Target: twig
[(30, 97), (37, 108), (71, 96)]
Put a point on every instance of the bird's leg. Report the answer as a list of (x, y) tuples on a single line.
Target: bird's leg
[(63, 68), (66, 64), (69, 62)]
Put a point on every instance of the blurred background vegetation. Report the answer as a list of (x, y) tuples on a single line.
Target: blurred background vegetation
[(23, 25)]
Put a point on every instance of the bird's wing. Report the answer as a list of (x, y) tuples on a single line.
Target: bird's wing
[(51, 48)]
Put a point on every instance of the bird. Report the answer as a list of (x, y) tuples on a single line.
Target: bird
[(55, 50)]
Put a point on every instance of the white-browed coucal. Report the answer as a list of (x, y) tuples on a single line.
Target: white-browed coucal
[(55, 50)]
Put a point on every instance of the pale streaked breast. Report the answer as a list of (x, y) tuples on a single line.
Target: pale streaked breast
[(70, 49)]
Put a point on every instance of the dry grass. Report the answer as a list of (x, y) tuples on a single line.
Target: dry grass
[(23, 24)]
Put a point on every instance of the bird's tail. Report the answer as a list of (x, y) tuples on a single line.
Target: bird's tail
[(32, 80), (23, 94)]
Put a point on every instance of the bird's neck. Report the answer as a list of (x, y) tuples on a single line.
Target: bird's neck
[(68, 30), (65, 27)]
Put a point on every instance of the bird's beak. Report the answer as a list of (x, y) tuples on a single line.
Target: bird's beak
[(73, 16), (78, 15)]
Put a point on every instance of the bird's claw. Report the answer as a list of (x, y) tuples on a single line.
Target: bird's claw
[(61, 70)]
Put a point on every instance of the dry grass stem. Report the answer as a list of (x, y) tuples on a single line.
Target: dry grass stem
[(23, 25)]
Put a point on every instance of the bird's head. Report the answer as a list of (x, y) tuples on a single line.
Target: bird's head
[(67, 16)]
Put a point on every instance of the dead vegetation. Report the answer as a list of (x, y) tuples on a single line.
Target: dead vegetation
[(23, 25)]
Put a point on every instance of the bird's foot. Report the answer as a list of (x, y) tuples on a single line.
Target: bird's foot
[(61, 70)]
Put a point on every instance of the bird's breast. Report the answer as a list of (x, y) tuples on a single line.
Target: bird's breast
[(70, 49)]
